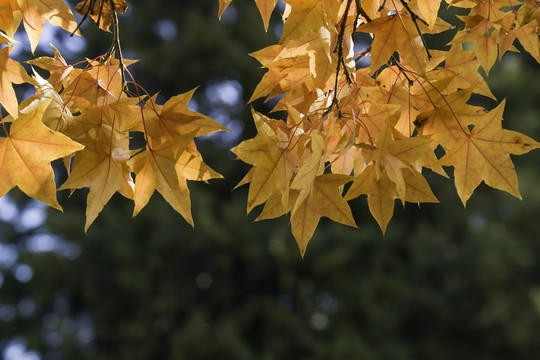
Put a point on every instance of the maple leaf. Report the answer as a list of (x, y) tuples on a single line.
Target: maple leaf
[(273, 165), (307, 173), (101, 11), (381, 192), (35, 12), (57, 115), (528, 37), (58, 68), (308, 15), (390, 174), (174, 118), (26, 153), (485, 39), (447, 122), (156, 169), (103, 164), (324, 200), (484, 156), (171, 157), (101, 167), (396, 33), (462, 67)]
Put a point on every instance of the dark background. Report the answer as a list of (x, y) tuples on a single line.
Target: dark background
[(443, 283)]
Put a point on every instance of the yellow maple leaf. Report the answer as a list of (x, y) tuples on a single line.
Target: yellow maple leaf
[(176, 119), (324, 200), (273, 164), (58, 68), (26, 153), (447, 122), (462, 67), (483, 155), (102, 165), (305, 16), (395, 156), (380, 191), (308, 172), (485, 38), (396, 33), (156, 170)]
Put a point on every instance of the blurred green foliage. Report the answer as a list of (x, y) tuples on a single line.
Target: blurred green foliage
[(444, 282)]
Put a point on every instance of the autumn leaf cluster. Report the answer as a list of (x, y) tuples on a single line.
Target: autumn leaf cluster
[(86, 114), (349, 130), (352, 131)]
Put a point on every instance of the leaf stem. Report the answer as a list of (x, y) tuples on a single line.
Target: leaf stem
[(116, 46)]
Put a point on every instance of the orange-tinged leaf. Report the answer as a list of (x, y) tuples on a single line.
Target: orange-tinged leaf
[(373, 123), (395, 156), (26, 153), (484, 156), (324, 200)]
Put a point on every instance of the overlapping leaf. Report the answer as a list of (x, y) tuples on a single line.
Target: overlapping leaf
[(379, 127), (88, 116)]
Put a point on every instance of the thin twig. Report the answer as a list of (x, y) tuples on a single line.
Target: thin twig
[(415, 18), (401, 69), (360, 11), (363, 53), (84, 16), (339, 50)]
